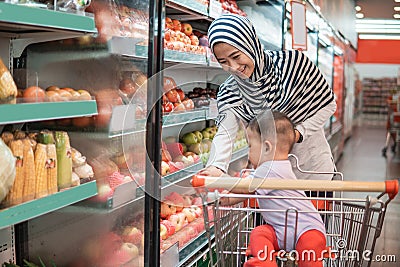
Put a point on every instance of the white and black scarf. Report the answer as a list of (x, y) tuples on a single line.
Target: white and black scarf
[(282, 80)]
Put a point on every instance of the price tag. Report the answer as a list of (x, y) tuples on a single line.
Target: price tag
[(212, 109), (215, 9)]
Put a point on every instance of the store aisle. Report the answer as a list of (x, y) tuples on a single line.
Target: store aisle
[(362, 161)]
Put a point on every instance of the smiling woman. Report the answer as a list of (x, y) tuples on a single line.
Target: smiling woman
[(286, 81), (234, 60)]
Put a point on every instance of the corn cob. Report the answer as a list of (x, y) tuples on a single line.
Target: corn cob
[(7, 137), (29, 171), (64, 160), (41, 171), (15, 196), (51, 169), (8, 89)]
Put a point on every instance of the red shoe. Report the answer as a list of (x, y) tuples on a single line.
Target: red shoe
[(254, 262)]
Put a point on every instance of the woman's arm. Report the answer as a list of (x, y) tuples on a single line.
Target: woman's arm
[(317, 121), (222, 145)]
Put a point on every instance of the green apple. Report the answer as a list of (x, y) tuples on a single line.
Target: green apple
[(199, 136), (206, 134), (189, 139)]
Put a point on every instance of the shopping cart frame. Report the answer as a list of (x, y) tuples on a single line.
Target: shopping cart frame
[(352, 224)]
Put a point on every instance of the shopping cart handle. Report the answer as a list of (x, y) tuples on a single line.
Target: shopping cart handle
[(392, 188)]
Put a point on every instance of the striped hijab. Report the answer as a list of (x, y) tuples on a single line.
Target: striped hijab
[(282, 80)]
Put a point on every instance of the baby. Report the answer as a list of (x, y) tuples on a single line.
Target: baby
[(268, 153)]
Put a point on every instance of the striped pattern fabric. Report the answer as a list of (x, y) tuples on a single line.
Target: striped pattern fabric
[(287, 81)]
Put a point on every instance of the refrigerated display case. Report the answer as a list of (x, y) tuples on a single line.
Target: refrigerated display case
[(119, 131)]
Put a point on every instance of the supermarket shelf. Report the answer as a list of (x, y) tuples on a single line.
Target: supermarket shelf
[(192, 247), (188, 10), (22, 20), (38, 207), (240, 154), (26, 112), (181, 175), (179, 118)]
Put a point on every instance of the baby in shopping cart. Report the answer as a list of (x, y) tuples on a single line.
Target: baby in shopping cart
[(268, 153)]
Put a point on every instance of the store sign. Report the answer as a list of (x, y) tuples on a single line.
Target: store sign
[(298, 25)]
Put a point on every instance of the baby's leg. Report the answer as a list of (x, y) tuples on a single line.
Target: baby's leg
[(263, 243), (310, 248)]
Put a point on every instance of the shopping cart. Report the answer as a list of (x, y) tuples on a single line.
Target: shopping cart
[(392, 126), (352, 225)]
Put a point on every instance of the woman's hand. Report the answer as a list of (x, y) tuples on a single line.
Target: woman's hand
[(211, 171)]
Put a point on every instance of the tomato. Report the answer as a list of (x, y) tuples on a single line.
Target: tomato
[(181, 94), (168, 107), (34, 94), (173, 96)]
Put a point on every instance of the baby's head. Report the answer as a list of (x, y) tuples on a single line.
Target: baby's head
[(267, 142)]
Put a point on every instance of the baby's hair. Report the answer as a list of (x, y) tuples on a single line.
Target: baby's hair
[(284, 128)]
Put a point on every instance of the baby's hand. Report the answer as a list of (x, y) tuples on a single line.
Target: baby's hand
[(211, 171)]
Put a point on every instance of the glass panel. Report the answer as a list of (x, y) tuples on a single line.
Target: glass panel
[(107, 148)]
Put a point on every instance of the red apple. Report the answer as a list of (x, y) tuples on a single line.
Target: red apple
[(187, 29), (176, 199), (170, 227), (197, 201), (163, 231), (173, 96), (177, 220), (197, 210), (167, 209), (190, 215), (176, 24), (194, 40), (132, 235), (187, 200)]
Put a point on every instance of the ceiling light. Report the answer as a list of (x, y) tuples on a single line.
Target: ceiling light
[(397, 1), (378, 21), (396, 16), (396, 8), (359, 15), (357, 8), (379, 36)]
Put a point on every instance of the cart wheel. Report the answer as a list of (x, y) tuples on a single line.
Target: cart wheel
[(384, 151)]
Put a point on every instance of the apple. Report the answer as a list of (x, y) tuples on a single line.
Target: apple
[(186, 28), (199, 136), (172, 96), (175, 166), (177, 220), (194, 40), (104, 191), (196, 148), (197, 210), (131, 234), (163, 231), (190, 215), (167, 209), (176, 24), (189, 139), (176, 199), (170, 227), (164, 168)]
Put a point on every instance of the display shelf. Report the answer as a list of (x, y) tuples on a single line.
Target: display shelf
[(178, 118), (23, 20), (41, 206), (27, 112), (192, 247), (181, 175), (240, 153), (191, 10)]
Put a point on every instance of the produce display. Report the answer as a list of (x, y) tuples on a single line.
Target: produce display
[(52, 94), (44, 164), (174, 99), (230, 6)]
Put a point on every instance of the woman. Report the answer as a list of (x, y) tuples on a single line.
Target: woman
[(286, 81)]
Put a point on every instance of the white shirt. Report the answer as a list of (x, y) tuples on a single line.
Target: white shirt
[(308, 217)]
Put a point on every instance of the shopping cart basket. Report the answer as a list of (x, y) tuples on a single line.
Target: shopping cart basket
[(352, 225)]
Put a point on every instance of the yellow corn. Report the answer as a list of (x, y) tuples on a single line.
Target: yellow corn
[(29, 171), (51, 169), (18, 186), (7, 137), (41, 171)]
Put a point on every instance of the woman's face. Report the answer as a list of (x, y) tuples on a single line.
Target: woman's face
[(233, 60)]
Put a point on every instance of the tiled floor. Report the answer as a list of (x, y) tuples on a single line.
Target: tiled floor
[(362, 161)]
